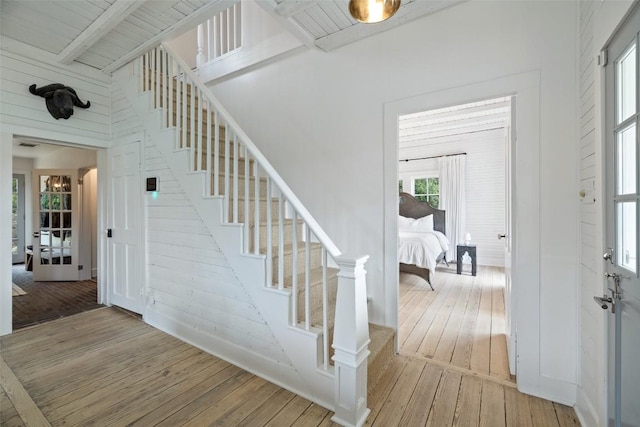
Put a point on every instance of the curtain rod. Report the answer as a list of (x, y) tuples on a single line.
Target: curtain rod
[(434, 157)]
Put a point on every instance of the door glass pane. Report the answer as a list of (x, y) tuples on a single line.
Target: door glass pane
[(55, 219), (626, 160), (14, 217), (626, 84), (627, 235)]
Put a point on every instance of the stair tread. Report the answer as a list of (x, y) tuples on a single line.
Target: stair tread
[(379, 336)]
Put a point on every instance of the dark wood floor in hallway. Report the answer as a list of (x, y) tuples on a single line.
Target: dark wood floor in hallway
[(46, 301)]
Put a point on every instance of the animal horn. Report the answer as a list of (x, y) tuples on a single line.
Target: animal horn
[(45, 91), (76, 100)]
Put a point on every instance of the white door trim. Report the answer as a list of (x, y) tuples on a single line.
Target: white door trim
[(526, 212), (6, 171)]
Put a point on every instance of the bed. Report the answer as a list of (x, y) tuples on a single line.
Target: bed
[(422, 243)]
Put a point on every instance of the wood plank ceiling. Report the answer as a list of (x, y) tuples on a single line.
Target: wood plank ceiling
[(102, 34), (106, 34)]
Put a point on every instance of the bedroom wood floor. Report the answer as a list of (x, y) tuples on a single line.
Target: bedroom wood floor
[(108, 368), (461, 324)]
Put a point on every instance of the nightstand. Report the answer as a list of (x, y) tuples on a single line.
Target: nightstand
[(471, 250)]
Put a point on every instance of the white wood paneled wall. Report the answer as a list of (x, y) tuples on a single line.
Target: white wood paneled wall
[(189, 281), (485, 184), (590, 400), (21, 108)]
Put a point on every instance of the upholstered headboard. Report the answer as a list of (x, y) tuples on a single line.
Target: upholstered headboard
[(411, 208)]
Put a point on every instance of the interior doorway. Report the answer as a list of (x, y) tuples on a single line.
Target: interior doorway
[(47, 229), (457, 159)]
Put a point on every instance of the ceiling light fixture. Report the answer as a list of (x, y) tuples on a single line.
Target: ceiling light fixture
[(372, 11)]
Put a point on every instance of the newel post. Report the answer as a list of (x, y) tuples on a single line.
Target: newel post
[(200, 58), (350, 343)]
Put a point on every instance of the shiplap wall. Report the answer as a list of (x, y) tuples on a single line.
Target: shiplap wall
[(21, 108), (485, 184), (190, 282), (590, 401)]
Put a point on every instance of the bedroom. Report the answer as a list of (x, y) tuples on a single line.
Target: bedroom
[(455, 159)]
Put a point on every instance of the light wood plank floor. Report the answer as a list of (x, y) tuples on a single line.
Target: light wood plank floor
[(108, 368), (461, 323)]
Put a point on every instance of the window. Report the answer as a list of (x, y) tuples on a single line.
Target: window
[(400, 185), (427, 190)]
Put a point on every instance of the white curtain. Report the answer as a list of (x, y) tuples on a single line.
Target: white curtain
[(452, 199)]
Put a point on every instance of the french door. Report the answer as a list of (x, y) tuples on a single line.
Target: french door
[(622, 223), (55, 225)]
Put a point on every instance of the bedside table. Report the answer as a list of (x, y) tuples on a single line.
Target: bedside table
[(471, 250)]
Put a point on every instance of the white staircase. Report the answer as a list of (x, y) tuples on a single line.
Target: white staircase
[(279, 253)]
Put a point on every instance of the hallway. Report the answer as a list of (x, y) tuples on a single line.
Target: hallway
[(46, 301)]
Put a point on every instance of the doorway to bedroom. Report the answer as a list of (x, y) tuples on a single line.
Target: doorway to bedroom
[(453, 293)]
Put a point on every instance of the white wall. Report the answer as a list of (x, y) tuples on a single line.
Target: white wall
[(484, 184), (318, 117), (598, 21), (21, 108), (25, 115)]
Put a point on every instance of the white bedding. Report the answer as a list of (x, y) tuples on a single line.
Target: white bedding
[(421, 248)]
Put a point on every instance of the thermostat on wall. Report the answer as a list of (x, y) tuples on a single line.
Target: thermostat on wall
[(152, 184)]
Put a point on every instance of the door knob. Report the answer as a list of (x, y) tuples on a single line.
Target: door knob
[(608, 256), (501, 236)]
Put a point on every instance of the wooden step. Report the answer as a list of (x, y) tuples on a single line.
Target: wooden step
[(315, 295), (382, 351), (262, 187), (262, 204), (287, 231), (315, 259)]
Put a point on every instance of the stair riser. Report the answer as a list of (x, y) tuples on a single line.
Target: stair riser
[(287, 232), (315, 303), (263, 211), (315, 261), (222, 164), (241, 186)]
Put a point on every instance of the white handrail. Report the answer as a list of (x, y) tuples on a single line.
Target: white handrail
[(269, 170)]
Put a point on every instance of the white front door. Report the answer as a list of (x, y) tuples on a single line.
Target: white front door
[(124, 222), (622, 298), (55, 225)]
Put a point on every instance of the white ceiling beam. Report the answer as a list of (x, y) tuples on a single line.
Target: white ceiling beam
[(289, 8), (197, 17), (409, 10), (110, 18)]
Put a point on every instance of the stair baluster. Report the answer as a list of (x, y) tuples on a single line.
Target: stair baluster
[(299, 258)]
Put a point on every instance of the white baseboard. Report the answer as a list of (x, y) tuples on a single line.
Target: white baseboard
[(586, 413), (277, 373)]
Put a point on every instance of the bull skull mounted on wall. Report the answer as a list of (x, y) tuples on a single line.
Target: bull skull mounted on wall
[(60, 99)]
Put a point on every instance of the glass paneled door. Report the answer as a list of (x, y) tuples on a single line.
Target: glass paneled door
[(622, 224), (55, 225)]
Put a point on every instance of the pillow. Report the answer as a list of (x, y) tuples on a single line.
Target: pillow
[(423, 224), (405, 223)]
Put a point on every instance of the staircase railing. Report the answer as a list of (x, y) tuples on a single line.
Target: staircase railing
[(254, 194)]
